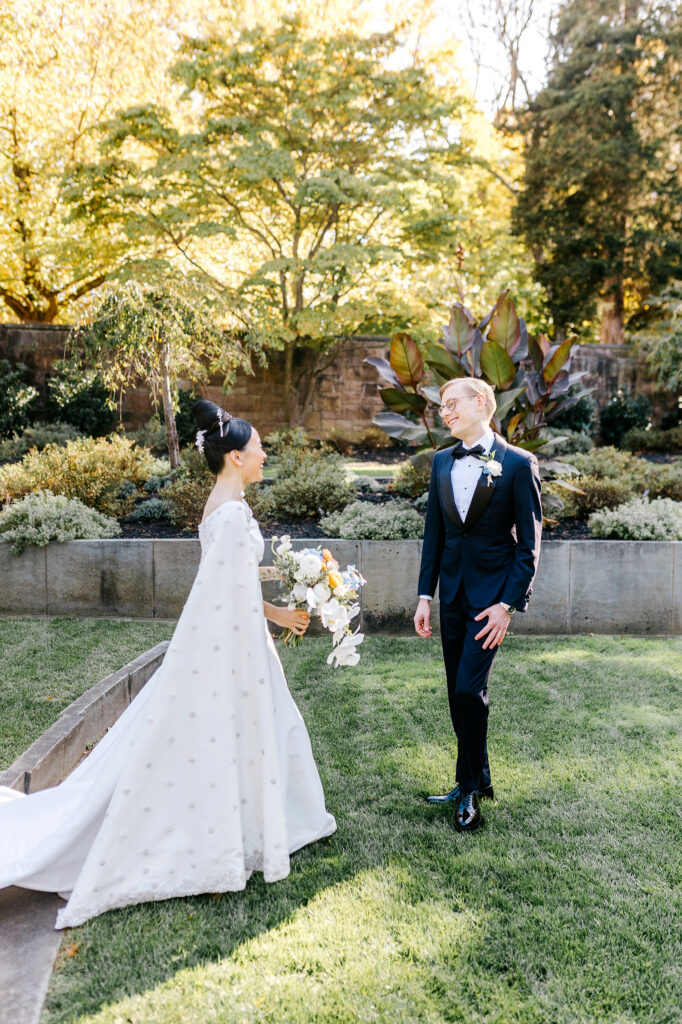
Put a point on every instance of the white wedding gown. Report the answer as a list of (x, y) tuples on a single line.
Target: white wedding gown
[(207, 776)]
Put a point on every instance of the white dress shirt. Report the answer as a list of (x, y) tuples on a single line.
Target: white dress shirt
[(465, 475)]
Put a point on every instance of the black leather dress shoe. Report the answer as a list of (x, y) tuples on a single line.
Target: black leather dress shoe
[(468, 817), (487, 793)]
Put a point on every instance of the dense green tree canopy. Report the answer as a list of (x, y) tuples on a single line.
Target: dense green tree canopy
[(315, 168), (602, 197)]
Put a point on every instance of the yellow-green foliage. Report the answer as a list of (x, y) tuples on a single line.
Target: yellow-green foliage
[(94, 470), (188, 492), (410, 481)]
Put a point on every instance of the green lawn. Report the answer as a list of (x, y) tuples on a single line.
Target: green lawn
[(48, 663), (563, 908)]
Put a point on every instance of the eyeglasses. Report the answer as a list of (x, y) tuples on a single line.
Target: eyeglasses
[(451, 405)]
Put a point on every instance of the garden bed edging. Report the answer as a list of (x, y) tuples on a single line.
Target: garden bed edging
[(582, 586)]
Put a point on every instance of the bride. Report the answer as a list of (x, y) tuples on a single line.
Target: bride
[(208, 775)]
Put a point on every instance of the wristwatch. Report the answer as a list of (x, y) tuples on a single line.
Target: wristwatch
[(509, 608)]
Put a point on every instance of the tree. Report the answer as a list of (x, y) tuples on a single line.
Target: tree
[(602, 186), (317, 169), (160, 335), (61, 72), (660, 340)]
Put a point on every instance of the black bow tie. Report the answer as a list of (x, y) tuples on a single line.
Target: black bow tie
[(460, 452)]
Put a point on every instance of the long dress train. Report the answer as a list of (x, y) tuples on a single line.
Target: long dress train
[(207, 776)]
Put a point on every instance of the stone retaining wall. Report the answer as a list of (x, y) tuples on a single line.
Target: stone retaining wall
[(346, 395), (586, 586)]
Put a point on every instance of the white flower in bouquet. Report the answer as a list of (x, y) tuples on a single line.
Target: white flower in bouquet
[(285, 547), (322, 592), (300, 592), (345, 653), (334, 616), (309, 569)]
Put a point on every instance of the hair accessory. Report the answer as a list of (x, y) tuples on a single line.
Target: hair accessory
[(221, 413), (201, 434)]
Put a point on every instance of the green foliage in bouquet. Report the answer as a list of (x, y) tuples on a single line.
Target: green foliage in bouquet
[(639, 519), (42, 517), (361, 520)]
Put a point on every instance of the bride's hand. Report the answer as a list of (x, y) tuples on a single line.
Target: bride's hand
[(295, 619)]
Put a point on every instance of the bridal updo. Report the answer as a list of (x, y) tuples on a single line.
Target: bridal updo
[(218, 433)]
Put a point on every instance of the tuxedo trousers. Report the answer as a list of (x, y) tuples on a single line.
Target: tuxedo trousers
[(467, 668)]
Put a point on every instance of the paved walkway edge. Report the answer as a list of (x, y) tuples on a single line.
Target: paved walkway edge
[(28, 940)]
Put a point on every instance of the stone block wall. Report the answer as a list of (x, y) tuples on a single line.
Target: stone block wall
[(346, 396)]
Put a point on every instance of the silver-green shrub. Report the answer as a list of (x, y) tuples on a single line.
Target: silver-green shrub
[(639, 519), (573, 442), (37, 436), (150, 510), (42, 516), (361, 520), (409, 481)]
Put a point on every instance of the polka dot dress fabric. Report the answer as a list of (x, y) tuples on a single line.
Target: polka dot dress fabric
[(206, 777)]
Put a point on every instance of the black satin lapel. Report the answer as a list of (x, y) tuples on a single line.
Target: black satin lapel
[(485, 487), (447, 495)]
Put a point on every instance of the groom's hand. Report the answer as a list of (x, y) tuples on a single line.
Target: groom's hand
[(495, 629), (422, 618)]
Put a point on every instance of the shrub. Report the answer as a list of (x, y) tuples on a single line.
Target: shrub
[(598, 492), (149, 511), (573, 444), (310, 483), (340, 441), (623, 413), (96, 471), (79, 397), (43, 516), (188, 491), (396, 520), (367, 485), (579, 418), (281, 440), (151, 434), (373, 438), (640, 519), (409, 481), (609, 463), (17, 399), (639, 440), (664, 481), (38, 436)]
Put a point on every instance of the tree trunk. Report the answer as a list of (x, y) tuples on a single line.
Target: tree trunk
[(612, 329), (169, 415), (291, 403)]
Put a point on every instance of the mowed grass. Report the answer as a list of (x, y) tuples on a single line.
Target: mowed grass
[(45, 664), (564, 907)]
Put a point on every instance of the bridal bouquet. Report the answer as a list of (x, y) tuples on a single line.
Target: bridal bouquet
[(314, 581)]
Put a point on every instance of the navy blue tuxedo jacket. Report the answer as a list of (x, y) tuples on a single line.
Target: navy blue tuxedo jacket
[(495, 551)]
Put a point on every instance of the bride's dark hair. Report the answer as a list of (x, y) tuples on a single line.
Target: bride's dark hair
[(220, 433)]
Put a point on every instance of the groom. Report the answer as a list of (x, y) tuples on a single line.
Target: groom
[(482, 540)]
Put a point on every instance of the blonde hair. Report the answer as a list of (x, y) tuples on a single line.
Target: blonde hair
[(476, 386)]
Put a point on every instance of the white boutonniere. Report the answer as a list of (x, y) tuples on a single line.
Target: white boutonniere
[(491, 467)]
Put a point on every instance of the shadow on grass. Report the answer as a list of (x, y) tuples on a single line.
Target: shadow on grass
[(551, 911)]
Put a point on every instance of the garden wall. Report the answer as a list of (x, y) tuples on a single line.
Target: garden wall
[(346, 397), (586, 586)]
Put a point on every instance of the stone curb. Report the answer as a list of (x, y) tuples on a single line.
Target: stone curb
[(54, 754)]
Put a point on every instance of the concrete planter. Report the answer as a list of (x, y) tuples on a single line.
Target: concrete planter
[(585, 586)]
